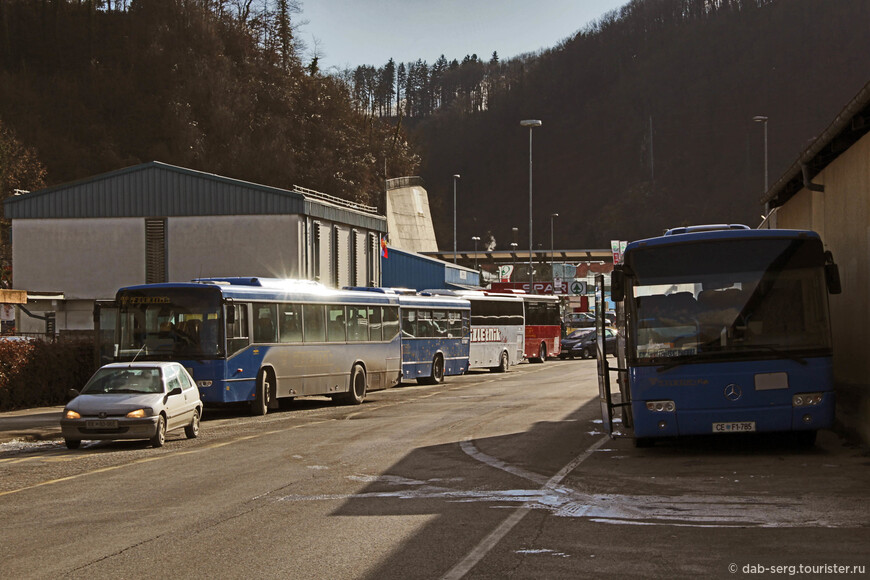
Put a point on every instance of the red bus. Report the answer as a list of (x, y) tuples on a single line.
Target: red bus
[(543, 326)]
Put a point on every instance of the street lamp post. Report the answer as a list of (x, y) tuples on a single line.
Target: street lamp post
[(553, 216), (455, 177), (762, 119), (475, 239), (531, 124)]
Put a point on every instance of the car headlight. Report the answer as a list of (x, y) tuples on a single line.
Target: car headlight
[(70, 414), (137, 414)]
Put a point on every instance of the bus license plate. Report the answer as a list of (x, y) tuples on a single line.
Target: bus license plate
[(736, 427), (102, 424)]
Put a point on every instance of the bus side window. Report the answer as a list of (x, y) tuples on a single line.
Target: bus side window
[(440, 324), (375, 323), (357, 324), (337, 326), (290, 323), (390, 322), (424, 324), (409, 323), (237, 332), (313, 327), (265, 322)]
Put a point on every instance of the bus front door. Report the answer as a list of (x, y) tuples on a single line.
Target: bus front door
[(605, 398)]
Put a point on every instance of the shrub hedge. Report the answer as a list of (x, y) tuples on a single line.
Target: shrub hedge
[(38, 374)]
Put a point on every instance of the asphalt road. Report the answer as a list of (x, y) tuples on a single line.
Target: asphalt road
[(485, 476)]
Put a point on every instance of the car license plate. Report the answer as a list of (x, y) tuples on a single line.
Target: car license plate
[(734, 427), (101, 424)]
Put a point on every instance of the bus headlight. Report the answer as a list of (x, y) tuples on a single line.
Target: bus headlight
[(203, 384), (806, 399), (661, 406)]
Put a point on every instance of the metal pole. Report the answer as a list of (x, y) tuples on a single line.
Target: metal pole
[(455, 177), (531, 266), (476, 239), (552, 251), (531, 124), (762, 119)]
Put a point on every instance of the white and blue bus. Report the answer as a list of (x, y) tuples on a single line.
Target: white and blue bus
[(257, 340), (498, 334), (722, 329)]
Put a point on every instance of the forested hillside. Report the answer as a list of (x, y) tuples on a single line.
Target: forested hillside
[(214, 85), (647, 113), (647, 118)]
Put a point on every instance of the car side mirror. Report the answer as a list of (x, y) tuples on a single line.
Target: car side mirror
[(72, 394), (173, 392)]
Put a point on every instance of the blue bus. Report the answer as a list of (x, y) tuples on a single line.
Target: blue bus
[(258, 340), (722, 329), (435, 334)]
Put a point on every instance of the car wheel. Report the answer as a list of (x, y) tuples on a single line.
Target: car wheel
[(72, 443), (160, 436), (260, 404), (587, 353), (192, 430)]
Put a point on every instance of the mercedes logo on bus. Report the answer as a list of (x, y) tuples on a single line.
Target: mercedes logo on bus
[(733, 392)]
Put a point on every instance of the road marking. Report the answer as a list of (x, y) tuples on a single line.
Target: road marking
[(492, 540)]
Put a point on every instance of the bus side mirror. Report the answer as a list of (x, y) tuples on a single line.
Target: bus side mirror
[(832, 274), (617, 285)]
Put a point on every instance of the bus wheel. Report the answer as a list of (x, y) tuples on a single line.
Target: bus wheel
[(542, 354), (503, 363), (357, 392), (260, 404), (437, 375), (438, 370)]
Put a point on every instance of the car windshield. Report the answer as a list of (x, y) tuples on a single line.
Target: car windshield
[(579, 333), (124, 380)]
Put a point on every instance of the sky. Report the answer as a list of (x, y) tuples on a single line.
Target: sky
[(350, 33)]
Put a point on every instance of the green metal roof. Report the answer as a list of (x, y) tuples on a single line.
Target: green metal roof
[(160, 190)]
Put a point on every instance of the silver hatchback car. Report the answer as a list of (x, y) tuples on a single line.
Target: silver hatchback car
[(133, 401)]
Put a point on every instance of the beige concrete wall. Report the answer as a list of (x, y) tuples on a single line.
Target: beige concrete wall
[(244, 245), (409, 220), (87, 259), (841, 215)]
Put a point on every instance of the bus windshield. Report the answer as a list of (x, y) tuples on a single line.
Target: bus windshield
[(744, 299), (169, 322)]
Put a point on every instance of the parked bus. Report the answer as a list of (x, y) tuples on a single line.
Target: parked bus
[(258, 340), (722, 329), (543, 326), (497, 328), (435, 334)]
